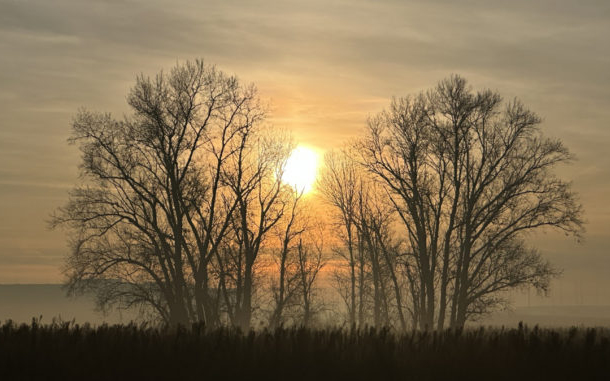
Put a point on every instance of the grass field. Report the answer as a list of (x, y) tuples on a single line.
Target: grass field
[(128, 352)]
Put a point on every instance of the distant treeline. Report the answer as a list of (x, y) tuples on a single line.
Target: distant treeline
[(132, 352)]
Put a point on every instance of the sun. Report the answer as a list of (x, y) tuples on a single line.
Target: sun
[(301, 169)]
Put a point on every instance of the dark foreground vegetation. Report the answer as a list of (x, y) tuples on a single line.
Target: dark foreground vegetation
[(69, 351)]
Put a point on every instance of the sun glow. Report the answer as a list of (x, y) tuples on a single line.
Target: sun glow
[(301, 169)]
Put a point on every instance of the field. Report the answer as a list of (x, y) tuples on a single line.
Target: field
[(69, 351)]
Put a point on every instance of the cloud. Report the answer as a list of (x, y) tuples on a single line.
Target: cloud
[(326, 65)]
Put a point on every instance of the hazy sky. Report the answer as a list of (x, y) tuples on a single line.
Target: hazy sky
[(324, 66)]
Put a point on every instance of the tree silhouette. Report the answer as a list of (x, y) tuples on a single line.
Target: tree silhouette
[(364, 219), (180, 199), (468, 176), (162, 189)]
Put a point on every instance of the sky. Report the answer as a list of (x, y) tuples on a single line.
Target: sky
[(324, 67)]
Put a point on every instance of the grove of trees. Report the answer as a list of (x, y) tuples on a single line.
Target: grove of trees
[(182, 212), (178, 198)]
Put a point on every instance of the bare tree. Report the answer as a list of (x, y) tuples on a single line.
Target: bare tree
[(310, 260), (468, 177), (155, 205), (338, 185), (284, 282), (369, 249), (237, 128), (374, 221), (261, 202)]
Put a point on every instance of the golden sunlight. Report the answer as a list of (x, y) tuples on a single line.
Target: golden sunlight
[(301, 169)]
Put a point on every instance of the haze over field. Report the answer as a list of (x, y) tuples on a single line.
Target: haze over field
[(21, 303), (324, 67)]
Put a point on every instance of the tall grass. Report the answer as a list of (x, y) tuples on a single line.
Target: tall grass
[(127, 352)]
